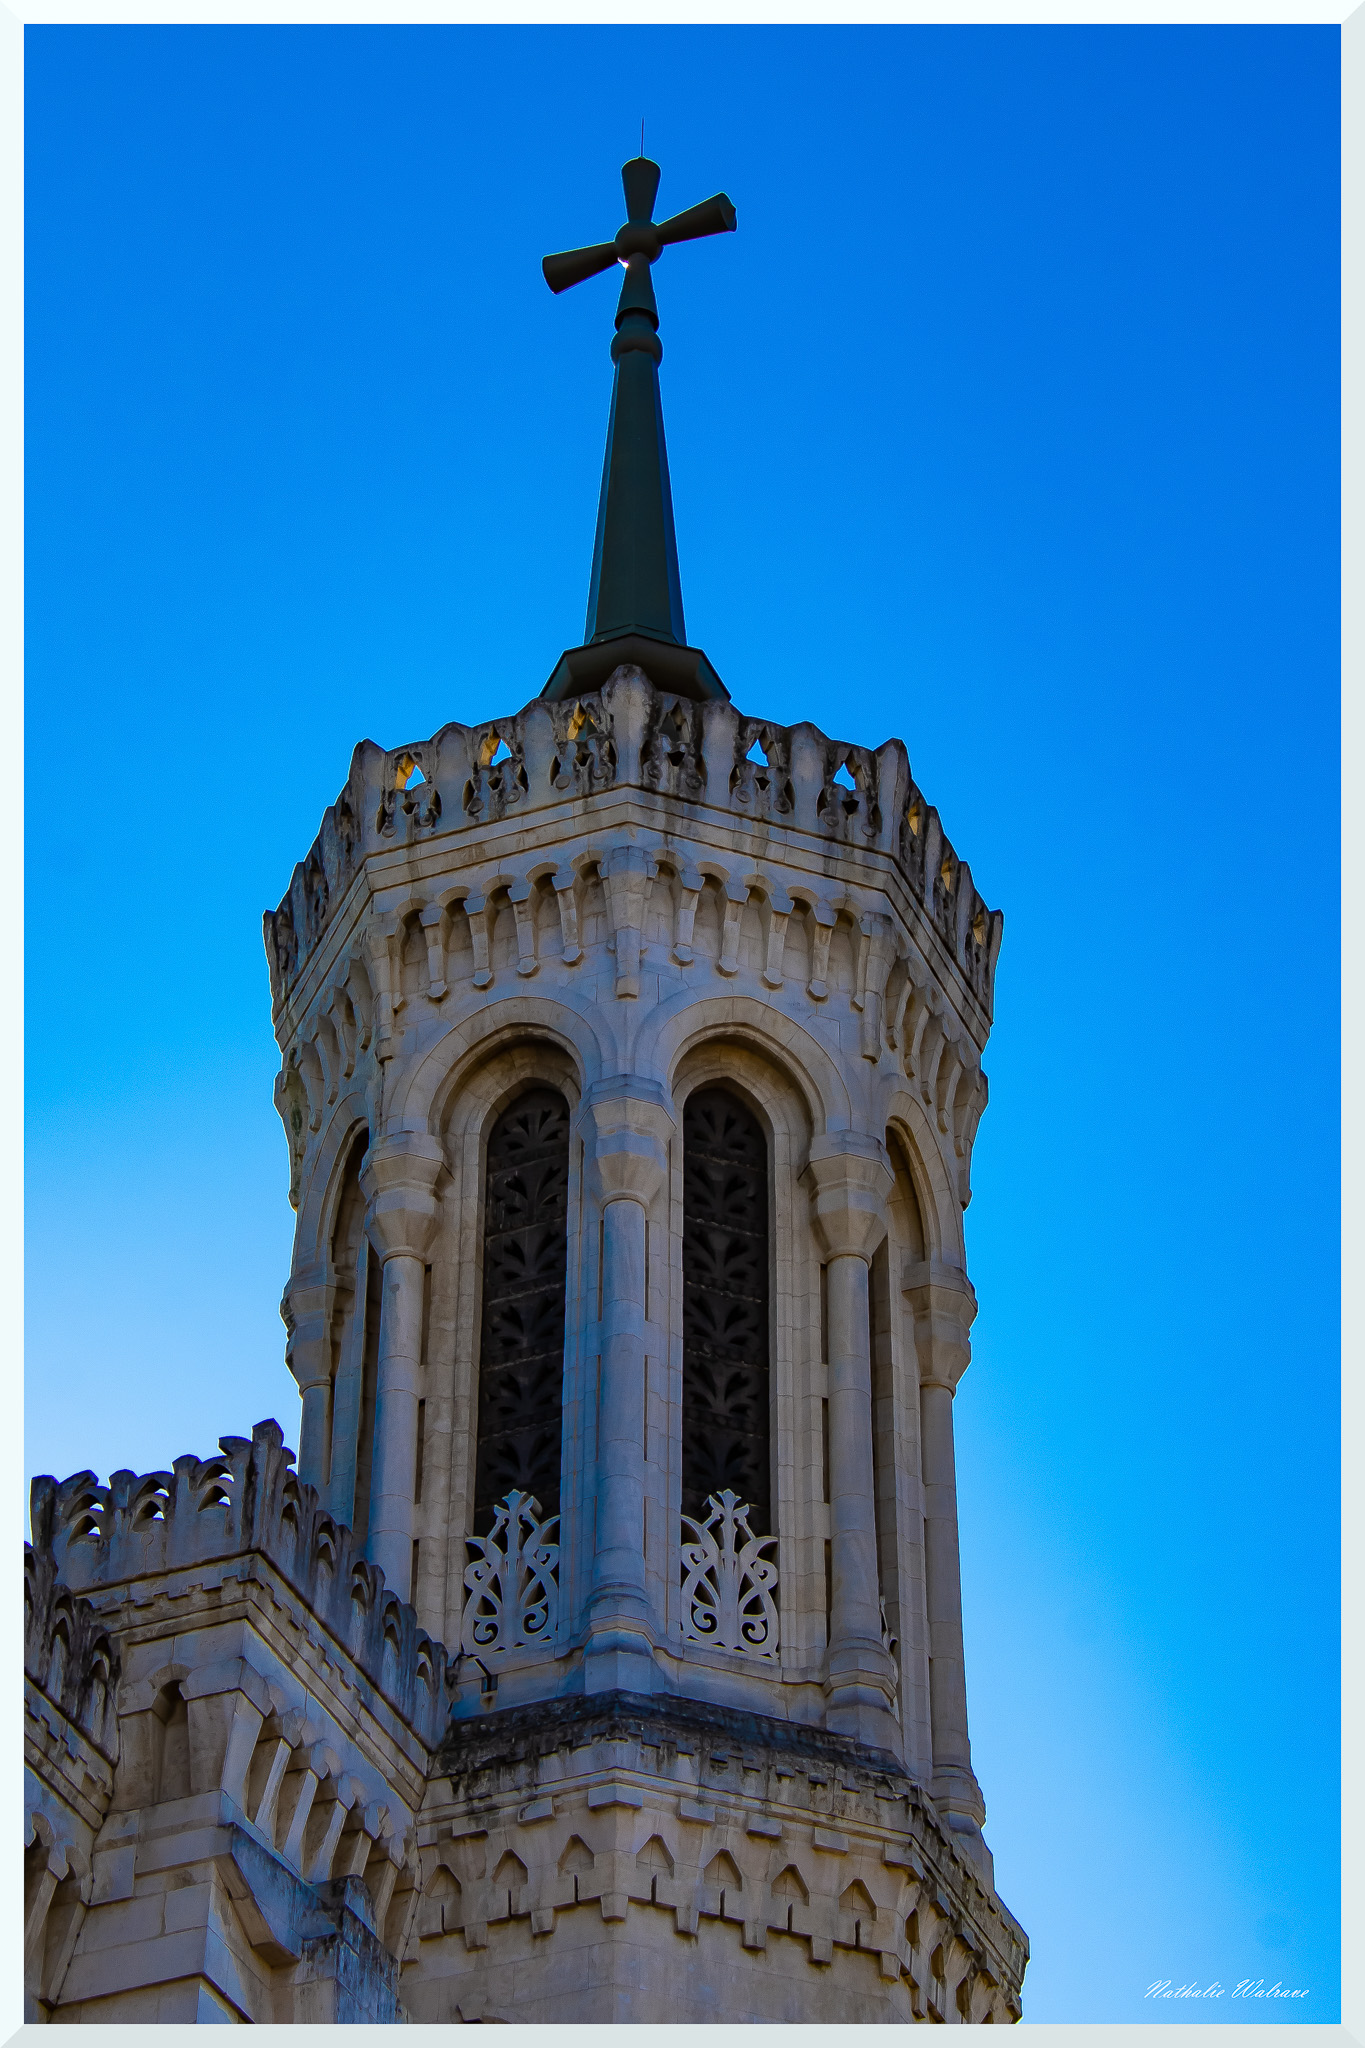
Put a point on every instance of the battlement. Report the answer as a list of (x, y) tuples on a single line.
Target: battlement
[(791, 783), (246, 1500)]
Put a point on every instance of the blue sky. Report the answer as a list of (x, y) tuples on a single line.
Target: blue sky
[(1007, 422)]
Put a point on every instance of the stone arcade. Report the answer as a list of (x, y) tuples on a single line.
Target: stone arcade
[(602, 1657)]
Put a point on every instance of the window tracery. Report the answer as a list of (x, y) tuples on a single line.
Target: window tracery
[(521, 1349), (725, 1418)]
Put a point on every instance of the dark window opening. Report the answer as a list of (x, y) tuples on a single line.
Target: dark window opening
[(725, 1427), (369, 1385), (521, 1347)]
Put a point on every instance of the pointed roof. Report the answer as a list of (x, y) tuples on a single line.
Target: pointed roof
[(635, 610)]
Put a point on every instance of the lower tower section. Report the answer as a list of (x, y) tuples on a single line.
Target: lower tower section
[(624, 1858)]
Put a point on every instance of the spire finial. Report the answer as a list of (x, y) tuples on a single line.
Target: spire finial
[(635, 589)]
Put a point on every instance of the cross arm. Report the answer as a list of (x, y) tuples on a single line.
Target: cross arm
[(712, 217), (571, 266)]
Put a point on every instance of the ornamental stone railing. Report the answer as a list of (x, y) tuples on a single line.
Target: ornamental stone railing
[(626, 736), (68, 1652), (729, 1587), (246, 1500), (512, 1580)]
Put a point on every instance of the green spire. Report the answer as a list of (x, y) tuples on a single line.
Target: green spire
[(635, 611)]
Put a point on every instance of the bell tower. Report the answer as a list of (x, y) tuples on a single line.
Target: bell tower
[(631, 1068)]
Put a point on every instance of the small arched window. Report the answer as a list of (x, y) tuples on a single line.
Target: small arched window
[(725, 1426), (521, 1345), (354, 1337)]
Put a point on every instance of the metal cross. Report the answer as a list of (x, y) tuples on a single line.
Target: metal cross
[(635, 611), (638, 245)]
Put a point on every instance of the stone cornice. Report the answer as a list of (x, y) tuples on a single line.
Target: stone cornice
[(563, 770)]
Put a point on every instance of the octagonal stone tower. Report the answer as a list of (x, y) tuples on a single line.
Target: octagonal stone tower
[(631, 1068)]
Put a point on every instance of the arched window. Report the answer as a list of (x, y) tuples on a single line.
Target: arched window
[(521, 1346), (355, 1351), (725, 1306)]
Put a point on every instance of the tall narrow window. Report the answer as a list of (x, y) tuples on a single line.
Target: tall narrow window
[(354, 1336), (521, 1349), (725, 1306)]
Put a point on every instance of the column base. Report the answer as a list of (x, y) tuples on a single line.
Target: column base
[(859, 1686), (618, 1658), (863, 1713)]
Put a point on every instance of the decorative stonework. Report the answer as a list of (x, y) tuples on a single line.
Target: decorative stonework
[(631, 1066), (629, 736), (729, 1588), (245, 1502), (642, 1859), (512, 1583)]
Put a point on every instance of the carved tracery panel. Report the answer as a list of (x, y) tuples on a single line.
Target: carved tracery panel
[(725, 1427), (521, 1351)]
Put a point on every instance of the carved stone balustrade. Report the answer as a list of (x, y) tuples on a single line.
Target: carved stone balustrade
[(696, 763)]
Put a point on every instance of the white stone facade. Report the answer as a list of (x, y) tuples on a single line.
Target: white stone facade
[(675, 1764)]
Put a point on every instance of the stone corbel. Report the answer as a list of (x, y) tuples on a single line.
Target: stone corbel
[(879, 951), (966, 896), (965, 1135), (627, 873), (379, 960), (290, 1734), (950, 1069), (227, 1705), (366, 1828), (937, 1041), (823, 921), (476, 911), (565, 882), (434, 928), (344, 1793), (329, 1055), (689, 890), (392, 1853), (317, 1763), (65, 1919), (736, 896), (929, 1004), (903, 982), (519, 896), (40, 1883), (336, 1008), (360, 989), (779, 910), (308, 1067)]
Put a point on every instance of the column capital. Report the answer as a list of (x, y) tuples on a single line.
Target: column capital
[(849, 1179), (399, 1181), (631, 1123), (306, 1312), (944, 1302)]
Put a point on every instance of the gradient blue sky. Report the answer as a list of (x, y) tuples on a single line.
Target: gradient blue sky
[(1007, 423)]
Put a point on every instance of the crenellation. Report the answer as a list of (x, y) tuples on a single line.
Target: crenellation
[(630, 736), (245, 1502)]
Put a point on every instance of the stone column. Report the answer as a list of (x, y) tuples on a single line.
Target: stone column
[(307, 1314), (850, 1182), (631, 1126), (399, 1183), (945, 1305)]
